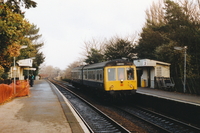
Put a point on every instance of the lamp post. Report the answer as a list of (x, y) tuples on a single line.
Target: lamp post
[(15, 70), (185, 53)]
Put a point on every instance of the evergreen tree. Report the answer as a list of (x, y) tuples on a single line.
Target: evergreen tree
[(118, 48), (13, 28), (16, 5), (176, 26), (94, 56), (33, 49)]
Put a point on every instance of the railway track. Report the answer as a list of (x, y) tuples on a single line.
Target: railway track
[(95, 120), (163, 123)]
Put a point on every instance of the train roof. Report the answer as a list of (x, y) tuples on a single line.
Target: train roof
[(117, 62), (77, 68)]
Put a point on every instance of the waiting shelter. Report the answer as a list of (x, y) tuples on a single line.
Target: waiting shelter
[(25, 64), (152, 73)]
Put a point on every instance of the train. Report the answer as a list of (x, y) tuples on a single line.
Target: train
[(114, 77)]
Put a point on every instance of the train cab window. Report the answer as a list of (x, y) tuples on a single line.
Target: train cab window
[(121, 73), (130, 74), (111, 74)]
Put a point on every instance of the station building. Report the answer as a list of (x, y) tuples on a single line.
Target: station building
[(21, 65), (153, 74)]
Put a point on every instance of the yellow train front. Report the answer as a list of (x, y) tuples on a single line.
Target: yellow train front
[(120, 78), (114, 77)]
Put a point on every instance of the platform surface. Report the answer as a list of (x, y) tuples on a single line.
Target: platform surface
[(41, 112), (180, 97)]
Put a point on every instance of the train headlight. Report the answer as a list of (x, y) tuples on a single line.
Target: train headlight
[(121, 82)]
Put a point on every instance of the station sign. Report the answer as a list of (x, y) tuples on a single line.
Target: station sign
[(25, 62)]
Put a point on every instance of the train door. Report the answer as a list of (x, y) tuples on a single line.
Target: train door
[(139, 74), (149, 77)]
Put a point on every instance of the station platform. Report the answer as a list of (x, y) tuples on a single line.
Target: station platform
[(175, 96), (44, 110)]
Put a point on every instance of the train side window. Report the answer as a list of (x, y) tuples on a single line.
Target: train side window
[(93, 75), (85, 74), (130, 74), (90, 74), (111, 74), (79, 75), (121, 73), (101, 75), (98, 72), (75, 75)]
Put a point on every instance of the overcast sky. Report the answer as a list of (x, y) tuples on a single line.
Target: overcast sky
[(66, 24)]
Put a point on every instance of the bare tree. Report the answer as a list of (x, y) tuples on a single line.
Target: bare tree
[(198, 1), (93, 44), (67, 72), (192, 9), (155, 14)]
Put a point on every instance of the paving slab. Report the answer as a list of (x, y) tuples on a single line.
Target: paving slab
[(40, 112)]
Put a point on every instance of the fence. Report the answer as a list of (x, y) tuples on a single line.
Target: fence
[(192, 85), (6, 81), (176, 84), (8, 92)]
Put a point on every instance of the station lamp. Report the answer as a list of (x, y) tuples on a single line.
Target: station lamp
[(183, 48)]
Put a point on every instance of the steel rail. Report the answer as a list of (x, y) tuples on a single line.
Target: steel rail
[(162, 122), (96, 121)]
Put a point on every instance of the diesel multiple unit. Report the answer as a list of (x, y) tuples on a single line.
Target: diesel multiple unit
[(115, 76)]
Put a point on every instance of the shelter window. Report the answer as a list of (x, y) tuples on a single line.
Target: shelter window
[(121, 73), (130, 73), (111, 74), (159, 71)]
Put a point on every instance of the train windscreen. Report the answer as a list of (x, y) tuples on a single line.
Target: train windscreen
[(111, 74), (121, 73)]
